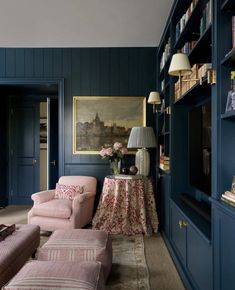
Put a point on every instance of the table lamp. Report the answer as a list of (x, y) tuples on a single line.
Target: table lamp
[(142, 138)]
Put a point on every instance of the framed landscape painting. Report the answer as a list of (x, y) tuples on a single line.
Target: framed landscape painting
[(102, 121)]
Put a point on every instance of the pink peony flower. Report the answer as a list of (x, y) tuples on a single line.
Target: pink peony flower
[(117, 145), (109, 151), (124, 151)]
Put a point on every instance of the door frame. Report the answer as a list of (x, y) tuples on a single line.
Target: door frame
[(60, 83)]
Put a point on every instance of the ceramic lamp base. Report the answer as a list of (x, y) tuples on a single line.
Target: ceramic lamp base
[(142, 161)]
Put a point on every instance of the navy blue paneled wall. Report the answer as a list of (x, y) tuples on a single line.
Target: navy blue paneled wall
[(88, 72)]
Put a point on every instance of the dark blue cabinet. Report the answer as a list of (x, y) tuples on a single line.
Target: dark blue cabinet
[(224, 247), (165, 195), (193, 250)]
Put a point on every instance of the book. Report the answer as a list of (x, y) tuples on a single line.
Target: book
[(230, 194), (233, 31), (228, 198), (126, 176), (228, 201)]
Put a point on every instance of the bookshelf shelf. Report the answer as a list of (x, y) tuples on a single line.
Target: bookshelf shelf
[(228, 5), (228, 115), (202, 45), (229, 59), (197, 93)]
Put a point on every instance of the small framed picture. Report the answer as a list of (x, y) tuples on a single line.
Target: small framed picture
[(230, 105), (233, 185), (43, 133)]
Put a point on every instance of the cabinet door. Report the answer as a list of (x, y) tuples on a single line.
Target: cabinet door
[(165, 193), (199, 258), (224, 242), (178, 233)]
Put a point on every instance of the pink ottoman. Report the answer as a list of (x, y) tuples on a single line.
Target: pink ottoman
[(58, 275), (16, 249), (79, 245)]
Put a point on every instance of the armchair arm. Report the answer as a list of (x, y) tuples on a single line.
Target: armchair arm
[(83, 205), (80, 198), (43, 196)]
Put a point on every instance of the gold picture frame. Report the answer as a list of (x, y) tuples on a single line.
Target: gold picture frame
[(101, 121)]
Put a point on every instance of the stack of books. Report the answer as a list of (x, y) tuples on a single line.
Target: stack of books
[(228, 197), (164, 162)]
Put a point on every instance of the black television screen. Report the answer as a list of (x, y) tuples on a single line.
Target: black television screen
[(200, 147)]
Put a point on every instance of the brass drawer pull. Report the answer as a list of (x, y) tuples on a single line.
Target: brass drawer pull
[(182, 224)]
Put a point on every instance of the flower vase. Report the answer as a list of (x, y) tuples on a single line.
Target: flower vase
[(115, 166)]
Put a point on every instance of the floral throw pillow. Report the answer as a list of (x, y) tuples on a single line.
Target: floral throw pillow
[(63, 191)]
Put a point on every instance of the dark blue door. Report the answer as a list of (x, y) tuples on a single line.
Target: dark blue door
[(24, 150), (52, 142)]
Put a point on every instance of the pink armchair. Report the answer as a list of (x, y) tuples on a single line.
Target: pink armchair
[(52, 214)]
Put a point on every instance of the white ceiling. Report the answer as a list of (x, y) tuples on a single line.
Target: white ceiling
[(82, 23)]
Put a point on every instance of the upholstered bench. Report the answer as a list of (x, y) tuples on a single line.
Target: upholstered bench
[(79, 245), (58, 275), (16, 249)]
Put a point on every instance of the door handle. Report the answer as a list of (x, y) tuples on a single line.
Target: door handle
[(53, 162), (34, 161)]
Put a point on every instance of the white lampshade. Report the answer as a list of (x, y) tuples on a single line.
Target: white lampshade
[(142, 137), (180, 65), (154, 98)]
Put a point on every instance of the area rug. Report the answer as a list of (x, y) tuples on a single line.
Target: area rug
[(129, 269)]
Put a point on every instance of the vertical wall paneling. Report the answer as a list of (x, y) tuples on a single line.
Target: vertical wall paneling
[(86, 71), (38, 62), (104, 69), (94, 72), (124, 68), (57, 62), (10, 62), (20, 60), (29, 62), (2, 62), (48, 62), (114, 71)]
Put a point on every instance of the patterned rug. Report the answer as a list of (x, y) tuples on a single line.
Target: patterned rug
[(129, 269)]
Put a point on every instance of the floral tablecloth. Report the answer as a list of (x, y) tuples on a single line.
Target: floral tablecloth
[(126, 206)]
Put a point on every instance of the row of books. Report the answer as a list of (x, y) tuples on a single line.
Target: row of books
[(228, 197), (233, 32), (206, 18), (184, 19), (165, 54), (188, 47)]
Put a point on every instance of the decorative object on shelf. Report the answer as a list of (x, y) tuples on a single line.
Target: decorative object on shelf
[(154, 99), (230, 105), (114, 154), (109, 118), (133, 170), (125, 170), (142, 137)]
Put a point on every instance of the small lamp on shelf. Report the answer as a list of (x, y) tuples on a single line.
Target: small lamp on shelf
[(142, 138), (180, 66), (154, 99)]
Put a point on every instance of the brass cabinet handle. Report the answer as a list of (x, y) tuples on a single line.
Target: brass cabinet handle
[(34, 161), (182, 224), (53, 162)]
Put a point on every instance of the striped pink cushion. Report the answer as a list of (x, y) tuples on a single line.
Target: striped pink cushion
[(50, 275), (63, 191)]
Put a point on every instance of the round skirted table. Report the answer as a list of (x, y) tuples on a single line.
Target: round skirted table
[(126, 206)]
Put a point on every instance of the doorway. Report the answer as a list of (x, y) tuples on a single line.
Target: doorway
[(24, 146)]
